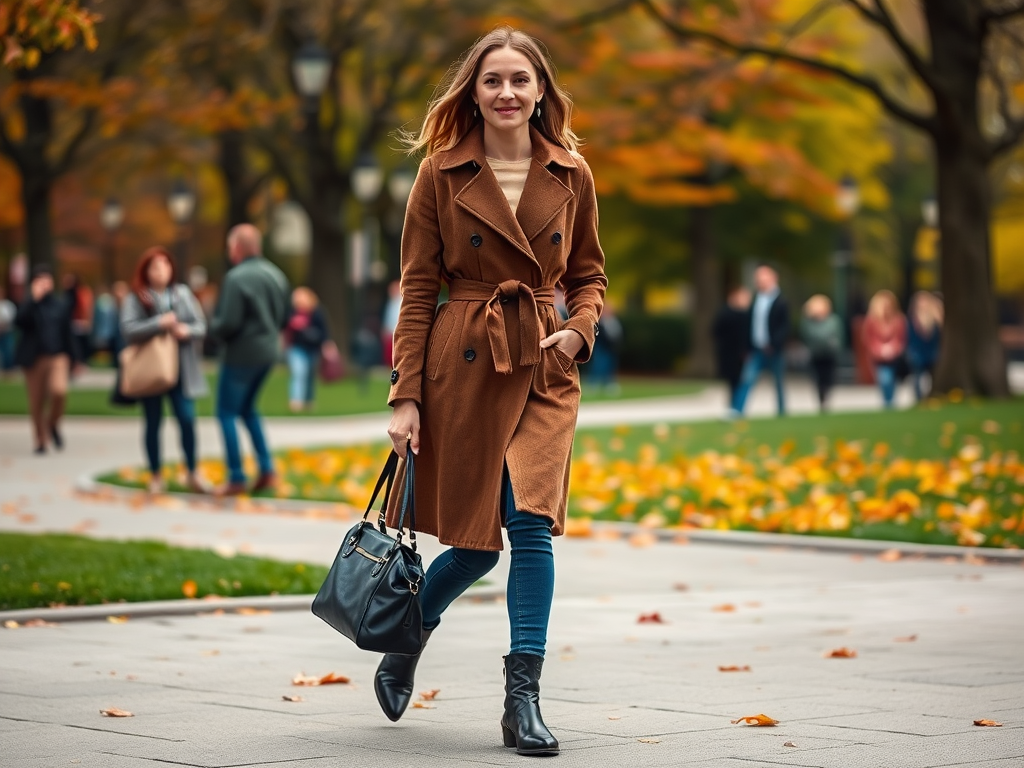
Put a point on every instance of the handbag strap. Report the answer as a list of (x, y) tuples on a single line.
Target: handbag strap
[(409, 498), (387, 475), (408, 503)]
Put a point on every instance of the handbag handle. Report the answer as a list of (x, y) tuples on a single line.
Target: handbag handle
[(408, 504)]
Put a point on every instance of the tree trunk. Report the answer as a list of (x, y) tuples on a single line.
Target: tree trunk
[(232, 166), (326, 274), (972, 359), (707, 284), (36, 177)]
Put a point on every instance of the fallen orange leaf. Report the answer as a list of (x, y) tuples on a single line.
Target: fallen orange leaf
[(988, 723), (330, 677), (643, 539), (841, 653), (906, 639), (724, 608), (789, 744), (429, 695), (293, 698), (649, 741), (115, 712), (422, 705), (189, 589), (756, 720), (117, 619), (650, 618), (890, 556), (735, 668)]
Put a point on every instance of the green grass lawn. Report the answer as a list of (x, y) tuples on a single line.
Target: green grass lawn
[(39, 570), (346, 397)]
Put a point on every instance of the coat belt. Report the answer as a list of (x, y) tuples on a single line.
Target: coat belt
[(529, 319)]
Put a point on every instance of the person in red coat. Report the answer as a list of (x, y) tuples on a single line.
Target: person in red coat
[(885, 336)]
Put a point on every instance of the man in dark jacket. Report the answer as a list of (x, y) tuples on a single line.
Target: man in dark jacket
[(731, 332), (252, 309), (46, 351), (769, 330)]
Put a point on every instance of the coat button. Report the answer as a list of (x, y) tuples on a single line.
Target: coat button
[(470, 355), (476, 241), (597, 330), (394, 377), (556, 238)]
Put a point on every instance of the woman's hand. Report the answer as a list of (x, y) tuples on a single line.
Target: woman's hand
[(181, 331), (167, 321), (405, 426), (568, 341)]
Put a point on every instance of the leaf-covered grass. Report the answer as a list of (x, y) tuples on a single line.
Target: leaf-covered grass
[(39, 570), (347, 397)]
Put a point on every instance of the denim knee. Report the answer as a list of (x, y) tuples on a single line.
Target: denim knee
[(475, 561)]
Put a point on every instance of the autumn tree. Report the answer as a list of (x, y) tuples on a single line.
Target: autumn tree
[(962, 62)]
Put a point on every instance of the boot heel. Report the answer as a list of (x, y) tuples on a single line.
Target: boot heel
[(508, 738)]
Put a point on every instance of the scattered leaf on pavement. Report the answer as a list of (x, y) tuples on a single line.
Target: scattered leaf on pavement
[(905, 639), (734, 668), (988, 723), (11, 625), (649, 741), (614, 717), (189, 588), (329, 678), (117, 619), (724, 608), (890, 556), (789, 744), (756, 720), (422, 705), (429, 695), (115, 712), (293, 698), (650, 618), (643, 539), (680, 587), (841, 653)]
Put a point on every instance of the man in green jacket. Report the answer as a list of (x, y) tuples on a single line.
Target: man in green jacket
[(251, 312)]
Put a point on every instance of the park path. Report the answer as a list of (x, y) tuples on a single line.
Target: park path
[(937, 644)]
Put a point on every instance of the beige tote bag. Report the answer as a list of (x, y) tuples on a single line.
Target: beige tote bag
[(149, 368)]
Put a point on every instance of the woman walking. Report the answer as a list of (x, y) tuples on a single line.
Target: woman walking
[(885, 336), (158, 304), (305, 335), (924, 337), (485, 388), (822, 332)]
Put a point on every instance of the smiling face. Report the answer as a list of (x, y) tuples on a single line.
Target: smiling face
[(507, 90)]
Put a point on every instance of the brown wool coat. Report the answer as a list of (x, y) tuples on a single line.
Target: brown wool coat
[(488, 395)]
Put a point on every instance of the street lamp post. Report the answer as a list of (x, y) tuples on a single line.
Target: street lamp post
[(847, 203), (111, 217), (367, 182), (399, 188), (181, 204)]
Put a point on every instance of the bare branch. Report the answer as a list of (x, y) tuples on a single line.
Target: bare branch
[(999, 14), (884, 20), (67, 157), (925, 122)]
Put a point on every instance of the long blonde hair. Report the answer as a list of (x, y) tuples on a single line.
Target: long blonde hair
[(450, 115)]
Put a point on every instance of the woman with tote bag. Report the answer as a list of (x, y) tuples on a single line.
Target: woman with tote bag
[(160, 309)]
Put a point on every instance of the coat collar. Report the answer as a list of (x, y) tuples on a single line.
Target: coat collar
[(470, 149), (544, 195)]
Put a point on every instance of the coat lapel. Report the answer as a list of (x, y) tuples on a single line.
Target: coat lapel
[(544, 196)]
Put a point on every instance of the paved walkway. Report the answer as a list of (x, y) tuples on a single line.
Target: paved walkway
[(937, 644)]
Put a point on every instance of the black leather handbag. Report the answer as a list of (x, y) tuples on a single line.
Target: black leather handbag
[(371, 594)]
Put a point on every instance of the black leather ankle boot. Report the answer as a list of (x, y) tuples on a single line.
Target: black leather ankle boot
[(394, 681), (522, 726)]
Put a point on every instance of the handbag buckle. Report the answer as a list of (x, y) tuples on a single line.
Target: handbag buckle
[(414, 587)]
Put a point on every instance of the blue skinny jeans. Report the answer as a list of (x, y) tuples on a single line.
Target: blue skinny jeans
[(237, 393), (531, 578), (184, 411)]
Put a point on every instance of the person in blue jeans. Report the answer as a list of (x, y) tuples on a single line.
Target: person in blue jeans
[(159, 305), (769, 330), (305, 335), (251, 312)]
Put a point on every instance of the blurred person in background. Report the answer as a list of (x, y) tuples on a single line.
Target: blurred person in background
[(80, 300), (924, 338), (105, 313), (731, 332), (8, 311), (604, 358), (47, 352), (885, 338), (392, 308), (305, 336), (158, 304), (822, 332), (252, 310), (769, 331)]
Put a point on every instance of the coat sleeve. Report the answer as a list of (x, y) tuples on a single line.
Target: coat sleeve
[(422, 249), (136, 324), (584, 281), (197, 320), (228, 316)]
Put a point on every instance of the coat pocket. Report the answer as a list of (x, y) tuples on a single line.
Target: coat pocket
[(567, 363), (440, 334)]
